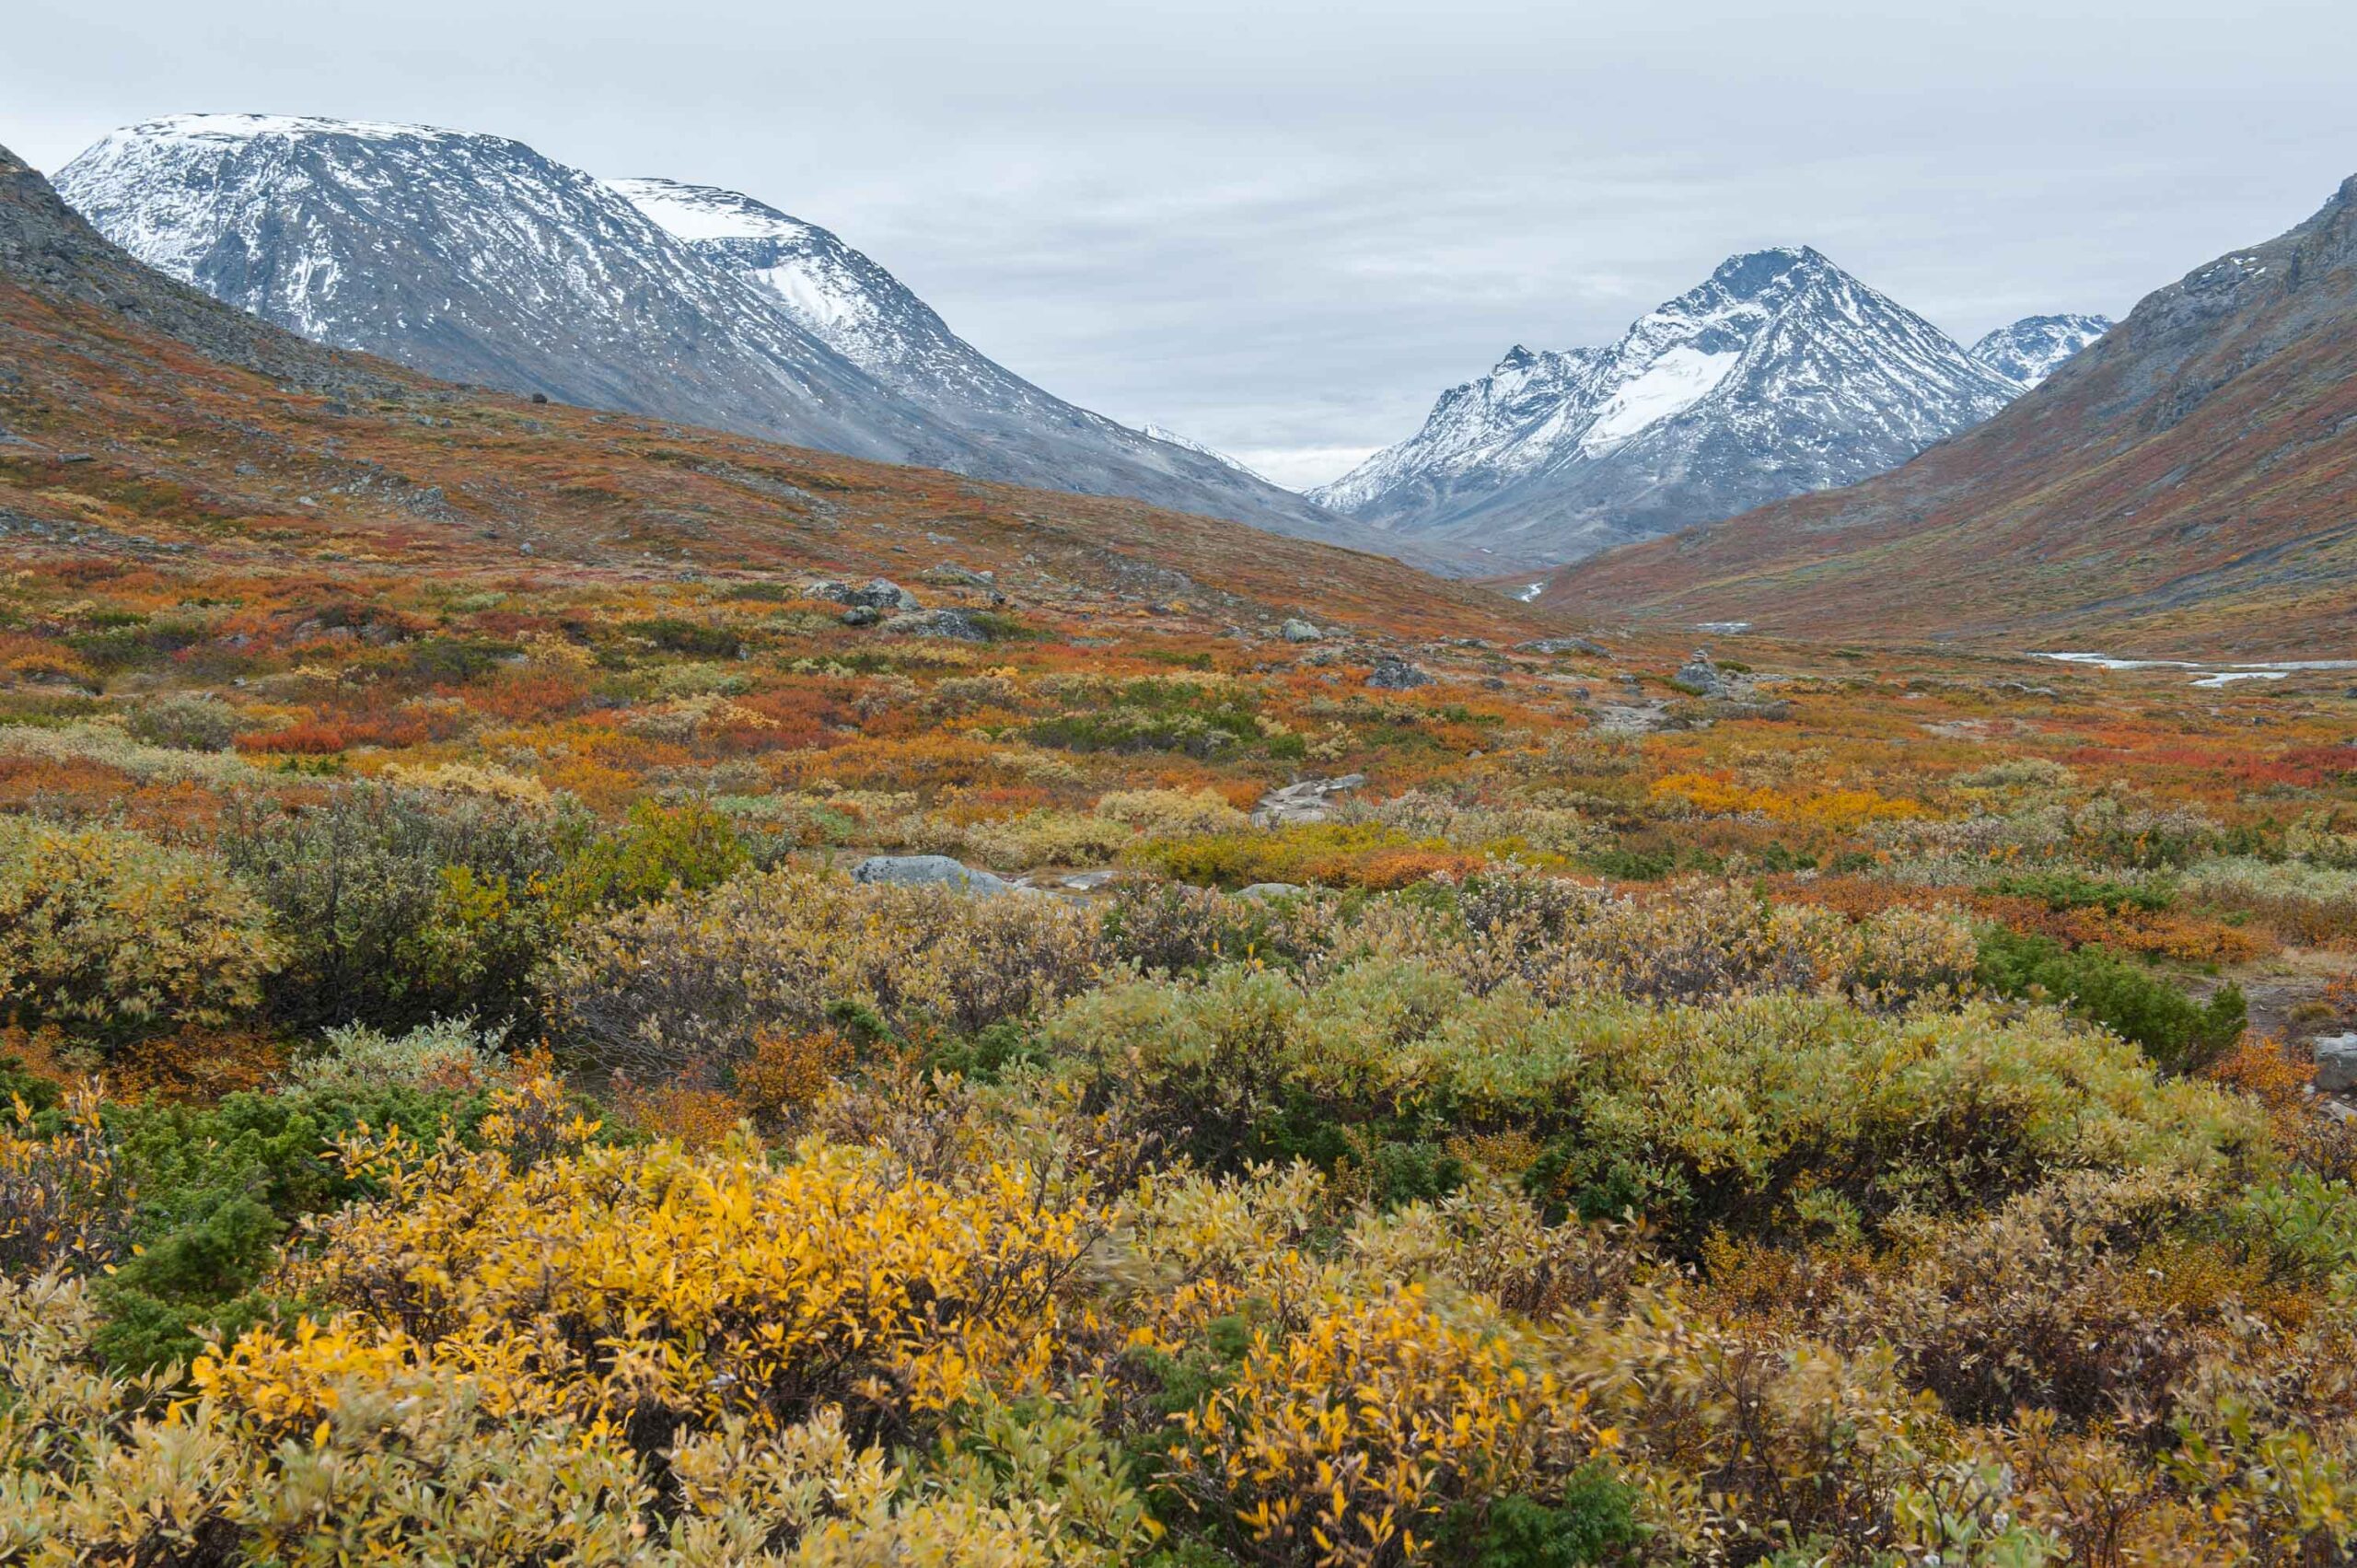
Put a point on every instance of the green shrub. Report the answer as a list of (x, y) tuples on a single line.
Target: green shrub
[(1696, 1116), (657, 849), (217, 1188), (1594, 1522), (2179, 1034), (398, 907), (110, 935), (2061, 890)]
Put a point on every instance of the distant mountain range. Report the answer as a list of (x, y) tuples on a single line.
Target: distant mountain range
[(476, 258), (2187, 483), (1780, 373), (143, 424)]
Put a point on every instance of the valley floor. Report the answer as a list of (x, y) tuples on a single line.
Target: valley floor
[(1820, 1105)]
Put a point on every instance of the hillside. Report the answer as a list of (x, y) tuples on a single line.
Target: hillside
[(138, 416), (2181, 486), (478, 258)]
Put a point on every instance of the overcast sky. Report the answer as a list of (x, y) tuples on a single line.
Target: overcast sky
[(1281, 227)]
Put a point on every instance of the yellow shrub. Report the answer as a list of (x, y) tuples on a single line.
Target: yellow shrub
[(1342, 1444)]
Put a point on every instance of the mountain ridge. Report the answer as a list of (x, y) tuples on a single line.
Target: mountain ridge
[(476, 258)]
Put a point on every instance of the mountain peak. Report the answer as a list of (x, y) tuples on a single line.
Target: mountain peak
[(1779, 373), (1746, 274), (2033, 348)]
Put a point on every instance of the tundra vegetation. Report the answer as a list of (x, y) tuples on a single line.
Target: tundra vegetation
[(460, 1109)]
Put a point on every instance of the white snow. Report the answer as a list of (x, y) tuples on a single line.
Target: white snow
[(1669, 386), (2213, 674), (704, 211)]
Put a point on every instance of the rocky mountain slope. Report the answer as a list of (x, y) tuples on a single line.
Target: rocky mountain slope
[(2183, 485), (860, 309), (478, 258), (2033, 348), (475, 258), (1782, 374), (143, 421)]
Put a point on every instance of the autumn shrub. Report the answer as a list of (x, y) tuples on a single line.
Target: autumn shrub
[(699, 978), (65, 1200), (398, 906), (185, 723), (666, 1287), (2177, 1032), (111, 937), (1761, 1113), (1690, 942), (1351, 1442), (1177, 929), (689, 847), (447, 1054)]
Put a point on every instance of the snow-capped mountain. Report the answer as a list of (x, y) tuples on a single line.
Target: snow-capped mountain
[(859, 308), (2035, 347), (477, 259), (1780, 373)]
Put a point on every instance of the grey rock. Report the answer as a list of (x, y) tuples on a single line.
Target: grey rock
[(1303, 801), (862, 615), (876, 593), (927, 871), (1391, 674), (2336, 1058), (1299, 631), (948, 622), (1268, 891), (1567, 645), (1703, 676)]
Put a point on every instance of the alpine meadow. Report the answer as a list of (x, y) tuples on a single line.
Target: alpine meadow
[(651, 913)]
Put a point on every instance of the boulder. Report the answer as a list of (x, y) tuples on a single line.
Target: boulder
[(862, 615), (1302, 802), (927, 871), (2336, 1063), (1705, 678), (1391, 674), (1299, 631), (876, 593), (956, 625), (1268, 891)]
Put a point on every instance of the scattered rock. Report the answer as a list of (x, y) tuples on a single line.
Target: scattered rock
[(1303, 801), (1704, 677), (956, 625), (876, 593), (1776, 708), (1299, 631), (1088, 881), (1391, 674), (1567, 645), (927, 871), (862, 615), (962, 577), (1268, 891), (2336, 1063)]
